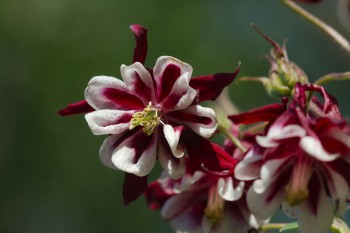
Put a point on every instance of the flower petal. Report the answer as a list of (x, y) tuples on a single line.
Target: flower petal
[(249, 167), (166, 71), (227, 190), (172, 136), (140, 51), (313, 147), (132, 152), (181, 95), (200, 119), (108, 121), (139, 81), (133, 187), (76, 108), (209, 87), (105, 92)]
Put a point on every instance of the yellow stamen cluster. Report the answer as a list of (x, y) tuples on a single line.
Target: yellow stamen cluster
[(148, 119)]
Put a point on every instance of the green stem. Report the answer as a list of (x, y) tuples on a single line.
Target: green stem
[(333, 77), (233, 139), (336, 36), (271, 226)]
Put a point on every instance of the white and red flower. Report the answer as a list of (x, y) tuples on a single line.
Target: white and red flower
[(304, 162), (146, 113)]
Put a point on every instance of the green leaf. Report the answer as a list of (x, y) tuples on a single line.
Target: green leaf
[(339, 226), (290, 227)]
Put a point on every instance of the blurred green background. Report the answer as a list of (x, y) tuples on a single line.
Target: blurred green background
[(51, 179)]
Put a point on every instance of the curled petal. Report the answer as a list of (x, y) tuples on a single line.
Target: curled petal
[(76, 108), (108, 121), (140, 51), (276, 133), (104, 92), (249, 167), (166, 71), (181, 95), (228, 191), (139, 81), (200, 119), (172, 136), (210, 87), (313, 147)]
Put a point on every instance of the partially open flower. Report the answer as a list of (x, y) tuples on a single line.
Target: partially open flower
[(303, 159)]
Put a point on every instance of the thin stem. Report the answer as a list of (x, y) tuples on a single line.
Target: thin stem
[(272, 226), (333, 77), (336, 36), (233, 139)]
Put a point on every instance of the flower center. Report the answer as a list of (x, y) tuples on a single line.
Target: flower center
[(215, 206), (297, 189), (148, 119)]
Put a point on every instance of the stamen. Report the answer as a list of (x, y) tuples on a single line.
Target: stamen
[(215, 206), (149, 119), (297, 189)]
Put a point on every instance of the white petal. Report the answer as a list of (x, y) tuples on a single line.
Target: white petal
[(227, 190), (172, 138), (204, 128), (313, 147), (187, 181), (108, 121), (134, 82), (175, 167), (106, 150), (125, 156), (278, 133), (249, 167), (319, 222), (181, 95)]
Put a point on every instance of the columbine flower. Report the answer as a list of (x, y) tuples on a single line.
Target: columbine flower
[(146, 113), (202, 203), (304, 160)]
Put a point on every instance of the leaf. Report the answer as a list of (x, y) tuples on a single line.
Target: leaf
[(339, 226), (290, 227)]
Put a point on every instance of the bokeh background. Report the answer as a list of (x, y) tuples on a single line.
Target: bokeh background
[(51, 179)]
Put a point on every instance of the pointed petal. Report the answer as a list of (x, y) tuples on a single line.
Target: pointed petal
[(313, 147), (140, 51), (76, 108), (200, 119), (210, 87), (181, 95), (228, 191), (108, 121), (266, 113), (133, 187), (139, 81), (203, 153), (166, 71), (104, 92)]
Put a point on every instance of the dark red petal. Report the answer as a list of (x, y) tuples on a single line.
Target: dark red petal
[(140, 51), (156, 196), (169, 76), (330, 105), (133, 187), (299, 98), (204, 153), (76, 108), (266, 113), (210, 87), (123, 100)]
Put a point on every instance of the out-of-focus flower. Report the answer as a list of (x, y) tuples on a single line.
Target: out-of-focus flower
[(303, 159), (202, 203), (146, 113)]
